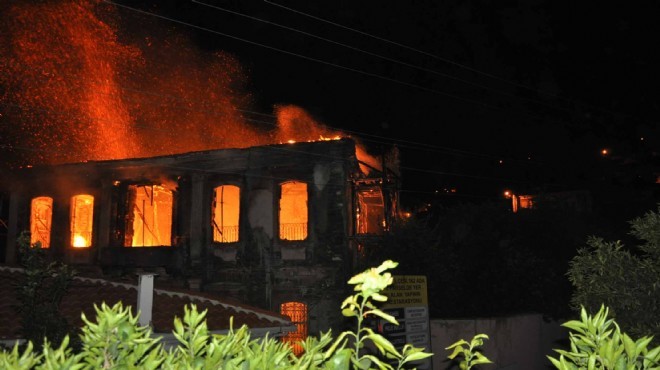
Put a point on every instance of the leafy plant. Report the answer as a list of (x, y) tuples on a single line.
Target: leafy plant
[(469, 352), (369, 286), (596, 342), (626, 281), (116, 341), (40, 293)]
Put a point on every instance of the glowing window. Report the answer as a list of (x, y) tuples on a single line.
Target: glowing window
[(293, 211), (226, 209), (370, 217), (297, 312), (149, 216), (526, 201), (41, 216), (82, 216)]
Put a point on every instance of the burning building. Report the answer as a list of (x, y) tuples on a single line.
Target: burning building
[(148, 156), (278, 226)]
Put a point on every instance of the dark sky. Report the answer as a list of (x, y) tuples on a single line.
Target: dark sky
[(478, 96)]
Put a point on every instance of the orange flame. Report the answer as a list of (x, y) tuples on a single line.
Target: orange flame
[(81, 94)]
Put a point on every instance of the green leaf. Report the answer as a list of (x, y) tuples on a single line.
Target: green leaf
[(418, 356), (381, 314), (348, 312), (383, 344), (555, 362), (458, 343), (457, 350), (575, 325), (483, 360)]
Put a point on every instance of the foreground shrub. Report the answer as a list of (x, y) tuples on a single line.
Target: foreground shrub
[(596, 342), (626, 280), (116, 341)]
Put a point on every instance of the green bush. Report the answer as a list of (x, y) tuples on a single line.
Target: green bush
[(40, 292), (596, 342), (116, 341), (627, 281)]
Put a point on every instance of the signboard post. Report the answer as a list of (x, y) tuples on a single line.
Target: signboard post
[(407, 301)]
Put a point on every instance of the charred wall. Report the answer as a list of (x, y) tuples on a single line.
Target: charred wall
[(258, 268)]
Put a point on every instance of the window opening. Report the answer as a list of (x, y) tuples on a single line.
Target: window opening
[(226, 211), (41, 216), (293, 211), (82, 216), (370, 216), (297, 312), (149, 219), (526, 201)]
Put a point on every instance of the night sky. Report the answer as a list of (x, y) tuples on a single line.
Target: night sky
[(478, 97)]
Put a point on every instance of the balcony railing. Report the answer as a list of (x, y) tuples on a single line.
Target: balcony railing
[(293, 231), (225, 234)]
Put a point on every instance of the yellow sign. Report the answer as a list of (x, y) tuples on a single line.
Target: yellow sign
[(406, 291)]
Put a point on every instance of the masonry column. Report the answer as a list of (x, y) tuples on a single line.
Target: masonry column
[(197, 227), (145, 298), (12, 228)]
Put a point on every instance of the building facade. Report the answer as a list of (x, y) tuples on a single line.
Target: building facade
[(279, 226)]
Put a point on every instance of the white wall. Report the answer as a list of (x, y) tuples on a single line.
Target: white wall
[(516, 342)]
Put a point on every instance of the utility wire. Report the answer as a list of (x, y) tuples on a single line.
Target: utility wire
[(318, 60), (383, 57), (365, 137), (415, 86), (535, 90)]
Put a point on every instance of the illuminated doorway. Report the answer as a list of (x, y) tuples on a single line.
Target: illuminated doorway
[(370, 215), (226, 212), (297, 311), (41, 216), (293, 211), (82, 217), (149, 216)]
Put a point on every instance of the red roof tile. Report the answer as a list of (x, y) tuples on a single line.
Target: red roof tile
[(84, 292)]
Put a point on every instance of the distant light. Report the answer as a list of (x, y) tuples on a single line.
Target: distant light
[(507, 193), (641, 138), (501, 161), (529, 157), (605, 152)]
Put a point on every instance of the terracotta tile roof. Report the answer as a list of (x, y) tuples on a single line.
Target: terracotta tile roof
[(167, 304)]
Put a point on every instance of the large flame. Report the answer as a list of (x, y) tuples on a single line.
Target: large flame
[(76, 89)]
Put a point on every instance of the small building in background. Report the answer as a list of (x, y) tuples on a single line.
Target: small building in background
[(578, 201)]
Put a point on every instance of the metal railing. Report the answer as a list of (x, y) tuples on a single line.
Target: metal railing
[(293, 231)]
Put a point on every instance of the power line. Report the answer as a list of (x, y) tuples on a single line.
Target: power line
[(252, 174), (317, 60), (402, 143), (383, 57), (536, 90), (415, 86)]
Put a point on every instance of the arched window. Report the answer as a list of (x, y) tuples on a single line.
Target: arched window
[(293, 211), (226, 211), (41, 217), (297, 311), (149, 216), (82, 217)]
